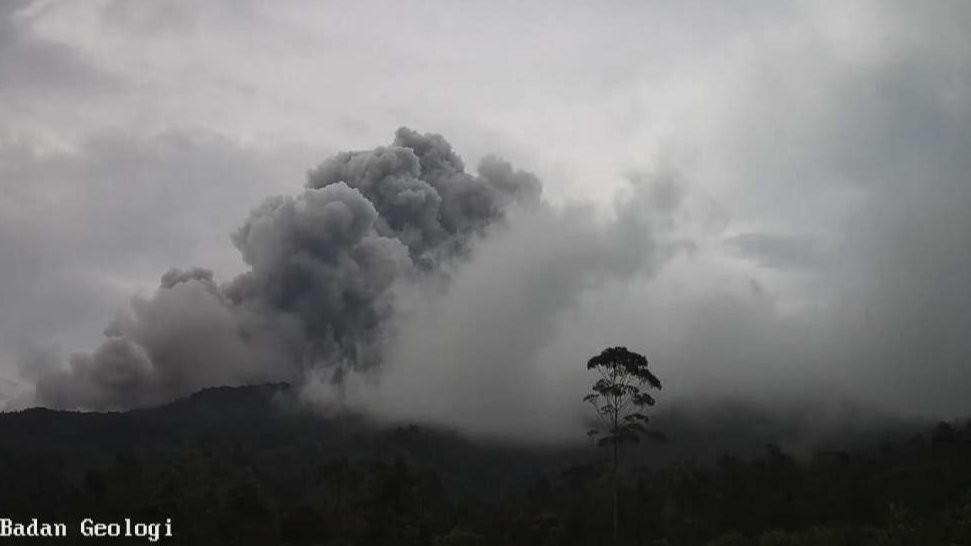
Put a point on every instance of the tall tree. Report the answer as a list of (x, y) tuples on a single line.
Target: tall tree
[(620, 397)]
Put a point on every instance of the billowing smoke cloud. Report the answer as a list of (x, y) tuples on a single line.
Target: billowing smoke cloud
[(188, 336), (319, 291), (482, 353), (422, 194)]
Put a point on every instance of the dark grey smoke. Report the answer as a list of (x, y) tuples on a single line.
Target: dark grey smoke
[(319, 292), (422, 194)]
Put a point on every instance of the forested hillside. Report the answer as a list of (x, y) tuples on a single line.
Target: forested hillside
[(242, 466)]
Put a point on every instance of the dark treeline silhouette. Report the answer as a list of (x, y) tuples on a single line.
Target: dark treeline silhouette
[(235, 466)]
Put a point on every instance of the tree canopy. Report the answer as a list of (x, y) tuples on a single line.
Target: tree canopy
[(620, 395)]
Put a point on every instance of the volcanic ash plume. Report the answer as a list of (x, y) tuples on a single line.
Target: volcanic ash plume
[(319, 290)]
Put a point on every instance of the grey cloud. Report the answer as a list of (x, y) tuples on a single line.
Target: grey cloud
[(667, 191), (882, 324), (31, 64), (882, 321), (176, 276), (147, 17), (777, 250), (899, 280), (318, 292)]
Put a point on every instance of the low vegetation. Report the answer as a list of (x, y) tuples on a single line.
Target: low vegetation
[(229, 466)]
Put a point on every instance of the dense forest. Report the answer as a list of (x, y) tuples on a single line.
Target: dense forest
[(241, 466)]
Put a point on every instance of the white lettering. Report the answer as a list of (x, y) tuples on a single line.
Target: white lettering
[(11, 528), (153, 532), (91, 529)]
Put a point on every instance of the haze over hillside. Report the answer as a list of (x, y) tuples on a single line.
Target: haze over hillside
[(345, 272), (438, 217)]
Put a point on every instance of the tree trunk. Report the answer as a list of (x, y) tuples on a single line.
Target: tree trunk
[(614, 487)]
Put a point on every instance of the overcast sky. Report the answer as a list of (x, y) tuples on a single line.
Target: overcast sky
[(806, 166)]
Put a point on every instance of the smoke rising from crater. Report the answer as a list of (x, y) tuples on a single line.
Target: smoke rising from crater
[(484, 352), (319, 290)]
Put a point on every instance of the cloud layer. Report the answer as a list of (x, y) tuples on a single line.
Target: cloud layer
[(801, 231)]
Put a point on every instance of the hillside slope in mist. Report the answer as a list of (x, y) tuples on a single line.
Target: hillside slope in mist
[(250, 465)]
